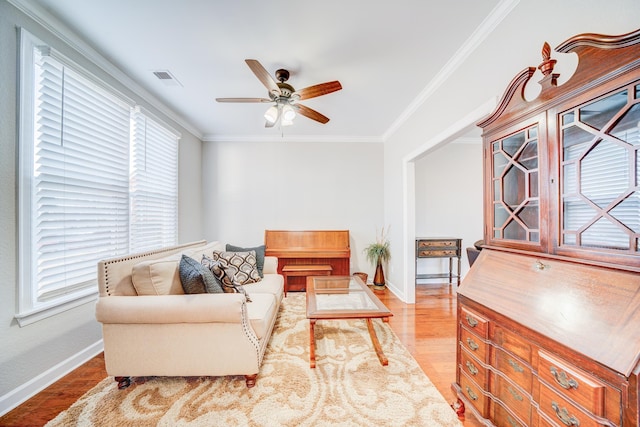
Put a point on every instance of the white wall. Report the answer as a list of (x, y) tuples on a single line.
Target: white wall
[(484, 75), (449, 199), (36, 354), (250, 187)]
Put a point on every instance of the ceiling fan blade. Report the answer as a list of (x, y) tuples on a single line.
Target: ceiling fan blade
[(318, 90), (243, 100), (263, 75), (310, 113)]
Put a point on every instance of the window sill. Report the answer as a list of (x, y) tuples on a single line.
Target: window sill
[(36, 314)]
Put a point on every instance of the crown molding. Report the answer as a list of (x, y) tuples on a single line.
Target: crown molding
[(291, 138), (61, 31), (497, 15)]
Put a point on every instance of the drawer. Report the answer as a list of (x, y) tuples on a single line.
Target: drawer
[(437, 243), (475, 322), (503, 418), (438, 253), (562, 411), (513, 398), (473, 344), (543, 420), (475, 395), (519, 372), (513, 343), (577, 385), (473, 368)]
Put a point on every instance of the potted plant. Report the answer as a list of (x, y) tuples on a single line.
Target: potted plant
[(377, 253)]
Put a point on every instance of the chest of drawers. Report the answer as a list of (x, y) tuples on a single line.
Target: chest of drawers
[(439, 247), (546, 342)]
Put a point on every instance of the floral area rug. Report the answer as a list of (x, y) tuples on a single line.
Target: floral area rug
[(349, 387)]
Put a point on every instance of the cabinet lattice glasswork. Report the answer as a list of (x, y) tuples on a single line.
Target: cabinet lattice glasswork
[(600, 172), (516, 203)]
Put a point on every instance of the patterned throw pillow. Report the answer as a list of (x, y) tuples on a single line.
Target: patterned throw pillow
[(220, 273), (195, 278), (240, 268), (259, 255)]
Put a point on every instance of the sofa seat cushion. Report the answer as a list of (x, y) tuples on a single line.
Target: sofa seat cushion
[(262, 311), (270, 284)]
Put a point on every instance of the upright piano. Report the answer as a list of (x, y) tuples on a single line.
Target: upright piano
[(311, 247)]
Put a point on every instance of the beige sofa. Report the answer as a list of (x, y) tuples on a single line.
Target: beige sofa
[(151, 328)]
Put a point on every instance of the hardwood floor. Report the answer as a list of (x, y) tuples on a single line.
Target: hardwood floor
[(427, 329)]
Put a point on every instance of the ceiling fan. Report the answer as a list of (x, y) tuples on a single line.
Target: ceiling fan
[(285, 97)]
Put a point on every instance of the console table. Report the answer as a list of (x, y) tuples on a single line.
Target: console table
[(439, 247)]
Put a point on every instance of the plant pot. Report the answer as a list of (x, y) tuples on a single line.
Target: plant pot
[(378, 279), (362, 276)]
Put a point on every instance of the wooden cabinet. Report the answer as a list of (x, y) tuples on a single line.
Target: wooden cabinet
[(439, 247), (562, 171), (548, 339), (549, 314)]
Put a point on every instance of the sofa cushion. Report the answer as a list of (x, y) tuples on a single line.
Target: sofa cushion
[(240, 268), (205, 250), (261, 313), (270, 284), (157, 276), (216, 268), (196, 278), (259, 255)]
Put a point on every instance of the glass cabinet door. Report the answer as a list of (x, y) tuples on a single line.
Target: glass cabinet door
[(515, 187), (600, 173)]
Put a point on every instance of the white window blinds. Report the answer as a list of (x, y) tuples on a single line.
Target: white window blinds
[(154, 186), (81, 178), (98, 179)]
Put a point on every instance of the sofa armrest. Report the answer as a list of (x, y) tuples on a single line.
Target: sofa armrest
[(166, 309), (270, 265)]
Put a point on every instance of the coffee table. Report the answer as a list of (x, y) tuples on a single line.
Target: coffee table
[(343, 297)]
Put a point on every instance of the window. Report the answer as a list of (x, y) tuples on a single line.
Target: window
[(90, 181), (154, 187)]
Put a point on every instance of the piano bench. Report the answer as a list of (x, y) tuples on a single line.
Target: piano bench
[(303, 270)]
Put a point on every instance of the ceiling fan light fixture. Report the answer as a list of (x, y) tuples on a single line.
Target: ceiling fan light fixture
[(271, 115), (286, 122), (288, 113)]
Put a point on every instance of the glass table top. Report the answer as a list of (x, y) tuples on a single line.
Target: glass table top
[(342, 296)]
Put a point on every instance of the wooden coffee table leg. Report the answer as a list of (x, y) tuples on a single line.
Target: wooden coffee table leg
[(376, 343), (312, 343)]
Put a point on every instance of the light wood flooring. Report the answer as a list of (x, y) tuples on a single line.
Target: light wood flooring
[(427, 329)]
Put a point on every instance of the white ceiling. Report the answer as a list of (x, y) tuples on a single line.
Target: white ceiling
[(385, 54)]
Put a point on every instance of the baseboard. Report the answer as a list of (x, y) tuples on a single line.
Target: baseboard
[(32, 387)]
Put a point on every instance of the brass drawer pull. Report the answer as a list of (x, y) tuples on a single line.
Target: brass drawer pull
[(515, 394), (564, 416), (512, 422), (472, 368), (516, 367), (472, 321), (471, 394), (540, 265), (562, 379), (472, 344)]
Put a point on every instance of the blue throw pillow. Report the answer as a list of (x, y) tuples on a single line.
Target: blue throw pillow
[(196, 278)]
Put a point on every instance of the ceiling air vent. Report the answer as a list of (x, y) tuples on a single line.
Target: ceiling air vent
[(167, 78)]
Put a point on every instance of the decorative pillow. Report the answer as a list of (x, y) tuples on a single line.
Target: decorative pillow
[(196, 279), (229, 274), (240, 268), (259, 255), (157, 276), (218, 273)]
